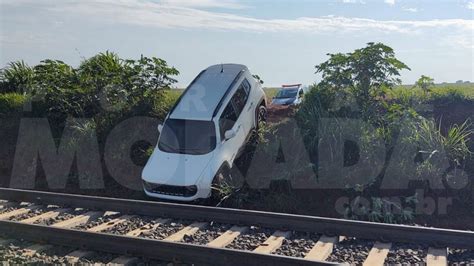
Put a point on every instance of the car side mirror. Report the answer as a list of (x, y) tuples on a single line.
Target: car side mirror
[(230, 134), (160, 128)]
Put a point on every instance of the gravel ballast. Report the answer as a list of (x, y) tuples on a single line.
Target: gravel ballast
[(98, 221), (165, 230), (14, 254), (61, 217), (351, 250), (298, 245), (251, 239), (401, 253), (8, 209), (100, 258), (15, 206), (32, 213), (130, 225), (461, 257), (206, 235)]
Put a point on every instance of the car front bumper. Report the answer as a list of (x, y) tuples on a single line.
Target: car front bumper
[(200, 193)]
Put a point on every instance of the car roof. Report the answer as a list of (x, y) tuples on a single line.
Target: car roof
[(204, 94), (291, 87)]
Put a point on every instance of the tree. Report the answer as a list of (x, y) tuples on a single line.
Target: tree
[(57, 84), (117, 83), (366, 73), (425, 83), (101, 70)]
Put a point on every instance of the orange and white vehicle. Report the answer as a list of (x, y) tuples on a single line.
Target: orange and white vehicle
[(289, 95)]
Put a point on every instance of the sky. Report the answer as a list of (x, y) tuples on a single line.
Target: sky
[(279, 40)]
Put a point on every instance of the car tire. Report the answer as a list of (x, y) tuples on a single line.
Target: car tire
[(261, 116), (221, 177)]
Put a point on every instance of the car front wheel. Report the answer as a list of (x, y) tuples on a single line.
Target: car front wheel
[(261, 116), (219, 184)]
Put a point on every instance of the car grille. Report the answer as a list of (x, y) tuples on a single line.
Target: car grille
[(180, 191)]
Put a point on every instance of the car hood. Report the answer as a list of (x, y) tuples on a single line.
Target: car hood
[(175, 169), (283, 101)]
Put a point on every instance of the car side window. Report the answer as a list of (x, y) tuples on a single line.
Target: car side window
[(246, 86), (227, 119), (240, 97), (235, 107)]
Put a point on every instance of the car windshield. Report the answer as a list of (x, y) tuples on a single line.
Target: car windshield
[(187, 137), (287, 93)]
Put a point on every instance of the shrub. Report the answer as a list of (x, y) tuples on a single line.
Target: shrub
[(423, 153), (11, 103), (448, 95), (320, 102), (454, 145), (456, 142), (425, 83), (105, 87), (16, 77), (163, 104), (408, 96), (125, 85), (383, 210)]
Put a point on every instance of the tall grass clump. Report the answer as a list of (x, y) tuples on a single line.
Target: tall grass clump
[(17, 77), (11, 102), (456, 142)]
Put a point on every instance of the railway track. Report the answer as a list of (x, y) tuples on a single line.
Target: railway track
[(133, 230)]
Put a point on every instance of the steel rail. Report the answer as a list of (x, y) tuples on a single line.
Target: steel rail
[(147, 248), (435, 237)]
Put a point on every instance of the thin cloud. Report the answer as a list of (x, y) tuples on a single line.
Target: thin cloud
[(354, 2), (390, 2), (149, 13), (161, 15), (411, 9), (228, 4), (470, 5)]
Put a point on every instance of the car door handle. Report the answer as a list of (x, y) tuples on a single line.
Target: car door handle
[(250, 107)]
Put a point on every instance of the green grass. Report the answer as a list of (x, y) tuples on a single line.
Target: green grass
[(466, 90), (440, 92), (175, 93), (445, 93), (11, 102)]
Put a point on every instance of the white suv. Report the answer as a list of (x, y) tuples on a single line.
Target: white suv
[(204, 132)]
